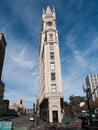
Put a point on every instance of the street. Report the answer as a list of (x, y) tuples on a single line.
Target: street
[(23, 123)]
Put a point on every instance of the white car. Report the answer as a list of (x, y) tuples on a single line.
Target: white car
[(31, 119)]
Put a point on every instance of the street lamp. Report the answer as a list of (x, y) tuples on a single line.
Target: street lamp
[(89, 95), (87, 91)]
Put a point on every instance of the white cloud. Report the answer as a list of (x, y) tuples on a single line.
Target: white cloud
[(93, 46), (77, 65), (78, 57), (21, 58), (16, 95), (20, 72)]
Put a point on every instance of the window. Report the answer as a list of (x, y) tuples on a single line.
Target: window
[(51, 46), (52, 55), (52, 65), (49, 23), (52, 76), (51, 36), (53, 88)]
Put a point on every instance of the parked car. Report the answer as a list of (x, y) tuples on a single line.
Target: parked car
[(11, 112)]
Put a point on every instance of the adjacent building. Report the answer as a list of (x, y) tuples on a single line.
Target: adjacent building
[(18, 107), (3, 44), (51, 96), (2, 54), (92, 84)]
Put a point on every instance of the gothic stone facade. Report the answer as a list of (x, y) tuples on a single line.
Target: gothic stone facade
[(51, 96)]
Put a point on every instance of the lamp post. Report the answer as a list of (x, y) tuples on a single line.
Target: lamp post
[(89, 95), (87, 91)]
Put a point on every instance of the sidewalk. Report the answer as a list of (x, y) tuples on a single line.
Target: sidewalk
[(43, 125), (67, 124), (39, 126)]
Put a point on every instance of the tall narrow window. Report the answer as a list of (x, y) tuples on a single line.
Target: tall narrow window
[(45, 39), (53, 76), (51, 36), (52, 65), (51, 46), (51, 55), (53, 88)]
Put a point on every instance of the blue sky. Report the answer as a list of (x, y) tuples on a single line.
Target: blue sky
[(77, 24)]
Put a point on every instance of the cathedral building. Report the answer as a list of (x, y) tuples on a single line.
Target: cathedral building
[(50, 95)]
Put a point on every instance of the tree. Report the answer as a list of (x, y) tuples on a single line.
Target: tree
[(66, 107), (72, 100)]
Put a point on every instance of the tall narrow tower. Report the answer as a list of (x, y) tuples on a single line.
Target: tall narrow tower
[(51, 96)]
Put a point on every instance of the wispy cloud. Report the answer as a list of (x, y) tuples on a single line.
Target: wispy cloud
[(19, 72), (78, 64), (21, 58), (28, 100)]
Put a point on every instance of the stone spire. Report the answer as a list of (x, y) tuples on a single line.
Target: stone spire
[(53, 10), (43, 11), (48, 11)]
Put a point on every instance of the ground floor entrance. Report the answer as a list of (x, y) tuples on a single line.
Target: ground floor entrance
[(55, 116), (50, 110)]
